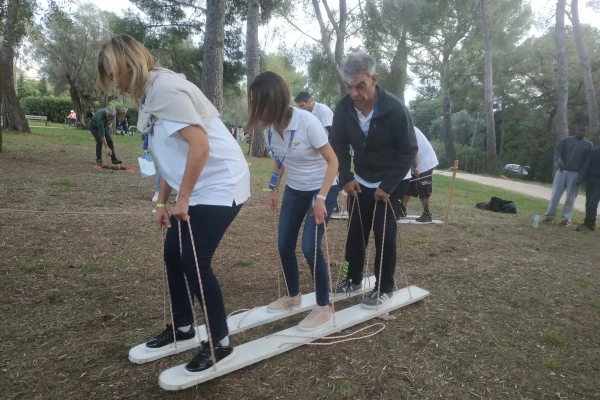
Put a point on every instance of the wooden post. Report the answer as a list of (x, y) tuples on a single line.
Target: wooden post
[(454, 169)]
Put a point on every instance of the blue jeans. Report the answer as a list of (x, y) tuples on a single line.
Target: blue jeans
[(295, 206)]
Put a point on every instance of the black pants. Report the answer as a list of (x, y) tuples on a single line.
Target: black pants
[(358, 235), (592, 197), (109, 142), (209, 224)]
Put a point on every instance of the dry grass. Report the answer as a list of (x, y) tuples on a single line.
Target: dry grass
[(513, 312)]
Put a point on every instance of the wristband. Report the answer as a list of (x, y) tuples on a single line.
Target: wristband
[(321, 197), (160, 205)]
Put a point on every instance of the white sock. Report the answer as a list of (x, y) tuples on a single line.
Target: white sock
[(225, 341), (184, 328)]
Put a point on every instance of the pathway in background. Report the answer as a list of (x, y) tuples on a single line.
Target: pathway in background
[(530, 189)]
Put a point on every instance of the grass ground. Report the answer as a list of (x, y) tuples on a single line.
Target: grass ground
[(513, 313)]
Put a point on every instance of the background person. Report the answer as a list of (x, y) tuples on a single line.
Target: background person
[(198, 157), (98, 127), (592, 190), (570, 157), (379, 129), (72, 118), (298, 143), (421, 179), (321, 111)]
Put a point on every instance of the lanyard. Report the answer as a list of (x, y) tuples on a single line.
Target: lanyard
[(272, 153)]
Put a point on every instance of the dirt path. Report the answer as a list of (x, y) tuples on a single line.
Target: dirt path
[(530, 189)]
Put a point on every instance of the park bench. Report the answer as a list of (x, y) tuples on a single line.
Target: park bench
[(37, 118)]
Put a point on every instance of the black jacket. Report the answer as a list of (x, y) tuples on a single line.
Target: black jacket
[(386, 154)]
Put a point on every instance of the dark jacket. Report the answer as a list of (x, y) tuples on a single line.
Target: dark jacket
[(592, 166), (99, 123), (386, 154)]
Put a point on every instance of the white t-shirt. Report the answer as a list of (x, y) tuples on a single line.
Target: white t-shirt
[(304, 164), (427, 157), (224, 179), (365, 122), (324, 114)]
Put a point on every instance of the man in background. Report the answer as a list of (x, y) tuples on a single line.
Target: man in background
[(592, 191), (319, 110), (421, 179), (570, 157)]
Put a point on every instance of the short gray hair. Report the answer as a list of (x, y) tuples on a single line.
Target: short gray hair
[(357, 63)]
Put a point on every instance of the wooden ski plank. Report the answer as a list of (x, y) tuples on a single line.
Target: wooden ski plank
[(176, 378), (409, 220), (237, 323)]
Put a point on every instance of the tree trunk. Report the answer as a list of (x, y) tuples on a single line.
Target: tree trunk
[(1, 80), (586, 72), (336, 59), (257, 146), (562, 89), (447, 113), (491, 156), (12, 114), (212, 61), (398, 68)]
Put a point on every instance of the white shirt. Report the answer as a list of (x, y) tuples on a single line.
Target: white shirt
[(305, 166), (324, 114), (365, 122), (427, 157), (224, 179)]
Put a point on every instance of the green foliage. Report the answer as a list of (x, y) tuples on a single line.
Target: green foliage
[(282, 65), (469, 159), (26, 88), (322, 82), (54, 108)]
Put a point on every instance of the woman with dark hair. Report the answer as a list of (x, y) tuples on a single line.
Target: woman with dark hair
[(298, 142), (198, 157)]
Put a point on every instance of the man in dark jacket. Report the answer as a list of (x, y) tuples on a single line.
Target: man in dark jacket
[(592, 191), (570, 156), (378, 128)]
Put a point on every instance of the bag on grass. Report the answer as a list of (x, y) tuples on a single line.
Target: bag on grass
[(147, 167), (504, 206)]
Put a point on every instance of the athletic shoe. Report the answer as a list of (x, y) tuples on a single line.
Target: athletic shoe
[(375, 299), (403, 212), (155, 197), (548, 219), (99, 162), (565, 222), (117, 161), (346, 286), (166, 337), (318, 317), (203, 360), (584, 227), (285, 303), (425, 217)]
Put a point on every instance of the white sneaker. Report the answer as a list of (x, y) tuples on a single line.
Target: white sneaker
[(155, 198)]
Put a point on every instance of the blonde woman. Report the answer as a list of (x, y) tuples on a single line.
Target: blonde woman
[(198, 157)]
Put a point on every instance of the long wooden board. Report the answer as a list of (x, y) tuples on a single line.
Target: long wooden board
[(237, 323), (177, 378)]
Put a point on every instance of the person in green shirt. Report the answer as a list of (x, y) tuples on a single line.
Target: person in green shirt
[(98, 125)]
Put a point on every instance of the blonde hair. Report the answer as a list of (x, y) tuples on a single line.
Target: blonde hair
[(123, 54), (268, 102)]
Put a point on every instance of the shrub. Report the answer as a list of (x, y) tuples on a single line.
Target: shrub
[(54, 108)]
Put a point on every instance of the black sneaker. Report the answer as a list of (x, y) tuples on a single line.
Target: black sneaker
[(403, 212), (584, 227), (346, 286), (425, 217), (375, 299), (166, 337), (99, 161), (203, 360), (117, 161)]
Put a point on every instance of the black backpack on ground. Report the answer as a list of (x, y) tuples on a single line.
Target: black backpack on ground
[(504, 206)]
